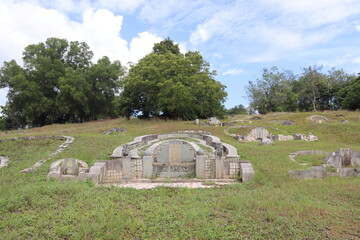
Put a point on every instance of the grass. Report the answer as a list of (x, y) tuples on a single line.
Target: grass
[(312, 159), (273, 206)]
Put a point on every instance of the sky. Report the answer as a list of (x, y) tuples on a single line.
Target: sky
[(238, 38)]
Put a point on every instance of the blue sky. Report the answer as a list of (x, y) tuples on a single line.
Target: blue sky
[(238, 38)]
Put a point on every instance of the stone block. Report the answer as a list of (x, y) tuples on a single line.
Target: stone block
[(200, 167), (126, 167), (69, 167), (349, 172), (310, 173), (148, 166), (246, 171), (267, 142), (219, 167)]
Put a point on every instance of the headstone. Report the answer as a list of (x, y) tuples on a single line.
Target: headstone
[(197, 122), (343, 157), (214, 121), (70, 167)]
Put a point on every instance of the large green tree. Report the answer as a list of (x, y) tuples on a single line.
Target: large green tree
[(273, 92), (59, 83), (170, 84)]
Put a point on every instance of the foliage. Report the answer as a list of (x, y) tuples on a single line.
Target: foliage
[(59, 83), (169, 84), (273, 92), (238, 109), (310, 91), (351, 95)]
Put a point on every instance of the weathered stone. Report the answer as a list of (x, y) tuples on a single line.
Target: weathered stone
[(349, 172), (200, 166), (344, 121), (267, 142), (312, 138), (214, 121), (114, 131), (3, 161), (310, 173), (257, 134), (343, 157), (197, 122), (282, 137), (304, 152), (318, 119), (246, 171), (69, 167), (287, 123)]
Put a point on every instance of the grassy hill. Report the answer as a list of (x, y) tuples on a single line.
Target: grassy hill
[(273, 206)]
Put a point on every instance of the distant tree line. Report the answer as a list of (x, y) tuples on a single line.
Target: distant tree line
[(59, 83), (278, 91)]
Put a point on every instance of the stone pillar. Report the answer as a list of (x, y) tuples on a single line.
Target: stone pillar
[(200, 166), (246, 171), (219, 166), (126, 167), (148, 166)]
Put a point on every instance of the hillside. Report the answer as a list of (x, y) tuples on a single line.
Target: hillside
[(273, 206)]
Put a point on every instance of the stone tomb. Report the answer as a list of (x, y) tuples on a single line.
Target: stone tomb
[(181, 154), (68, 169)]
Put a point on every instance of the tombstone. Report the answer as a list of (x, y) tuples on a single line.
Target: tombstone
[(69, 167), (258, 134), (339, 158), (197, 122), (214, 121), (174, 158)]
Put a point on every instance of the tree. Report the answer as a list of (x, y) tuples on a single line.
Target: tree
[(272, 92), (169, 84), (238, 109), (351, 95), (59, 83)]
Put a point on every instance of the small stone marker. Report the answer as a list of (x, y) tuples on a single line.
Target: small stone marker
[(197, 122), (214, 121), (70, 167)]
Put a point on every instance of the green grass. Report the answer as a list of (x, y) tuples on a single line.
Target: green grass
[(273, 206), (312, 159)]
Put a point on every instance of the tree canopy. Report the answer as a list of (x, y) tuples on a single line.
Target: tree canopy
[(59, 83), (311, 90), (169, 84)]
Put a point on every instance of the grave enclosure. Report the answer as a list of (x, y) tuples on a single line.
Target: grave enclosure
[(175, 155)]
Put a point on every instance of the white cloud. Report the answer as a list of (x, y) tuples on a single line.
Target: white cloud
[(99, 28), (142, 45), (357, 27), (120, 5), (278, 27), (233, 71)]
